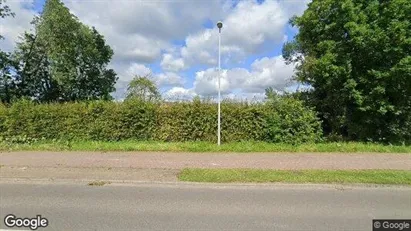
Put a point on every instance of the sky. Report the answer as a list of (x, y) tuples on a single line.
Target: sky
[(176, 41)]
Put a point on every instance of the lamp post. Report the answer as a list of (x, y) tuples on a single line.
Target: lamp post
[(219, 25)]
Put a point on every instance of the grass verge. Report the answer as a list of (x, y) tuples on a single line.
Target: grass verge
[(201, 147), (397, 177)]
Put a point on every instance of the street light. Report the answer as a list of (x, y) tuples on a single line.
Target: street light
[(219, 25)]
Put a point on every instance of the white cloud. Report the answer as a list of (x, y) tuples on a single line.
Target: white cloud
[(11, 28), (179, 93), (169, 63), (136, 69), (206, 82), (247, 29), (265, 72), (139, 30), (168, 79)]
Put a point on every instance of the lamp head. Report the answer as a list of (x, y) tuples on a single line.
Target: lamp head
[(219, 25)]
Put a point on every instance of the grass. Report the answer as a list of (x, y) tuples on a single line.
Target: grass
[(98, 183), (249, 146), (395, 177)]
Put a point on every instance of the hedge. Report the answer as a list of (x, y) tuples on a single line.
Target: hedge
[(286, 120)]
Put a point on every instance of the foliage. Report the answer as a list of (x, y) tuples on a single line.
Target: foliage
[(8, 90), (288, 121), (143, 88), (6, 63), (357, 57), (60, 60), (271, 94)]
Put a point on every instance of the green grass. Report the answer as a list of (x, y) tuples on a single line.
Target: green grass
[(202, 147), (397, 177)]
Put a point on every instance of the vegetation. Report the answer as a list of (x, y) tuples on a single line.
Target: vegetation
[(143, 88), (98, 183), (60, 60), (286, 121), (356, 55), (397, 177), (24, 143)]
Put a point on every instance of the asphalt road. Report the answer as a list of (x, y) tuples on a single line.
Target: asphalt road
[(69, 206)]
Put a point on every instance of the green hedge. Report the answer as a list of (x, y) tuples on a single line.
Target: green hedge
[(286, 120)]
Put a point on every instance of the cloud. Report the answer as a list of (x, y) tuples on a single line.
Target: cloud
[(247, 29), (139, 30), (265, 72), (136, 69), (11, 28), (179, 93), (168, 79), (169, 63)]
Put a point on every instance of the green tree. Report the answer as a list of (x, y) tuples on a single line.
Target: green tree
[(7, 66), (270, 93), (143, 88), (7, 76), (356, 54), (63, 59), (34, 77)]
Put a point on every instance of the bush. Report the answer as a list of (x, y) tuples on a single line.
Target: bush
[(289, 121), (283, 120)]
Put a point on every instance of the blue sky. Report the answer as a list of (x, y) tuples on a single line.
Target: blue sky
[(176, 41)]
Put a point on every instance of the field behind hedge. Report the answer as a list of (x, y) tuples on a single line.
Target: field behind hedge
[(286, 120)]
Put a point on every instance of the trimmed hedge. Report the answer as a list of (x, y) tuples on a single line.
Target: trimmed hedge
[(285, 120)]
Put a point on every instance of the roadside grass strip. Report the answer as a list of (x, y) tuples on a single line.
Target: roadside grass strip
[(246, 147), (392, 177)]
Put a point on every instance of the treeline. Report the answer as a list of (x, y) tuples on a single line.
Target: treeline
[(356, 55)]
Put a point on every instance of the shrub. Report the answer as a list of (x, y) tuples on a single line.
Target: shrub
[(282, 120), (3, 117), (288, 120)]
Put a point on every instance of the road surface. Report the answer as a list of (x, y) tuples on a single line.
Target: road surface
[(179, 206), (167, 160)]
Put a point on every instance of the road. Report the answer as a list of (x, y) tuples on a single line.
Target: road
[(167, 160), (179, 206)]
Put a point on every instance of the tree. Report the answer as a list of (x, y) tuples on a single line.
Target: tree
[(7, 84), (143, 88), (270, 93), (63, 59), (356, 54), (7, 65)]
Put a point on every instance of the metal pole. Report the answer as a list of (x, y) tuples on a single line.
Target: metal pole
[(219, 94)]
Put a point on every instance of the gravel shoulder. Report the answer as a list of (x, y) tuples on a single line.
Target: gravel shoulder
[(165, 160), (164, 166)]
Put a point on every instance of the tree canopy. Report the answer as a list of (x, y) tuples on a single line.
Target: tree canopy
[(61, 60), (143, 88), (356, 54)]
